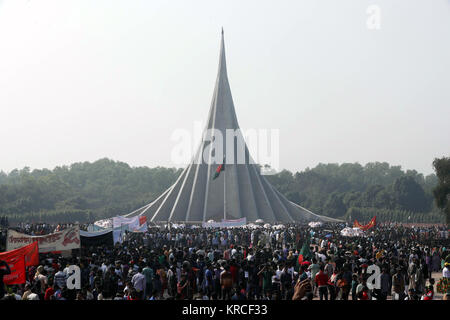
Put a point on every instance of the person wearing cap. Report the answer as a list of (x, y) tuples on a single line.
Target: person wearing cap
[(446, 270)]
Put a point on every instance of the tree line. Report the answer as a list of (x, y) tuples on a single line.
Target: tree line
[(81, 192), (86, 191), (351, 191)]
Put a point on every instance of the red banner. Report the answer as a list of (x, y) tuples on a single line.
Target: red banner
[(371, 224), (17, 266), (30, 252)]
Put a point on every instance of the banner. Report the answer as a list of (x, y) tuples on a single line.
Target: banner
[(122, 224), (129, 224), (64, 240), (99, 238), (134, 224), (30, 252), (226, 223)]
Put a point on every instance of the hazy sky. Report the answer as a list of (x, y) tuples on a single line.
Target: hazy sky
[(82, 80)]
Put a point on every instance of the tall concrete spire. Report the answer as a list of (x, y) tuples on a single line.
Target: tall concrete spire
[(239, 191)]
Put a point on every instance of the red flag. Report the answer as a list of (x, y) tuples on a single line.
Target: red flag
[(356, 224), (30, 252), (371, 224), (17, 266), (142, 220)]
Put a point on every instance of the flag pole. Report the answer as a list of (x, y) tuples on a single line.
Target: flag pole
[(224, 194)]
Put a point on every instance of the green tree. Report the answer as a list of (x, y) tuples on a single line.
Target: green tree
[(442, 190), (409, 195), (334, 206)]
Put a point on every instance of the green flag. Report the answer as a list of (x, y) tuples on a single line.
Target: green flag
[(305, 252)]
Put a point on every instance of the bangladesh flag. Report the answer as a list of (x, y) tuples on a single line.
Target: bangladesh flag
[(305, 252), (219, 169)]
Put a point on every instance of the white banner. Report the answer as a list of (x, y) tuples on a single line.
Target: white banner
[(104, 224), (129, 224), (59, 241), (226, 223), (122, 224)]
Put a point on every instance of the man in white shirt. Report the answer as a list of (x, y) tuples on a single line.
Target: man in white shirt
[(104, 266), (138, 282), (446, 270), (60, 279)]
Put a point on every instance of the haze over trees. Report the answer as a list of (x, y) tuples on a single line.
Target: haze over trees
[(351, 191), (90, 191), (80, 192)]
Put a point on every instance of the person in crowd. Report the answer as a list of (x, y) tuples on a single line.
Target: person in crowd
[(321, 280), (446, 270), (4, 270), (139, 282), (398, 285)]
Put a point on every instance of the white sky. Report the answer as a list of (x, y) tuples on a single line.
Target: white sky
[(82, 80)]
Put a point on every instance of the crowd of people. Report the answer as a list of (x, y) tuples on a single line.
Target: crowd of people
[(294, 262)]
